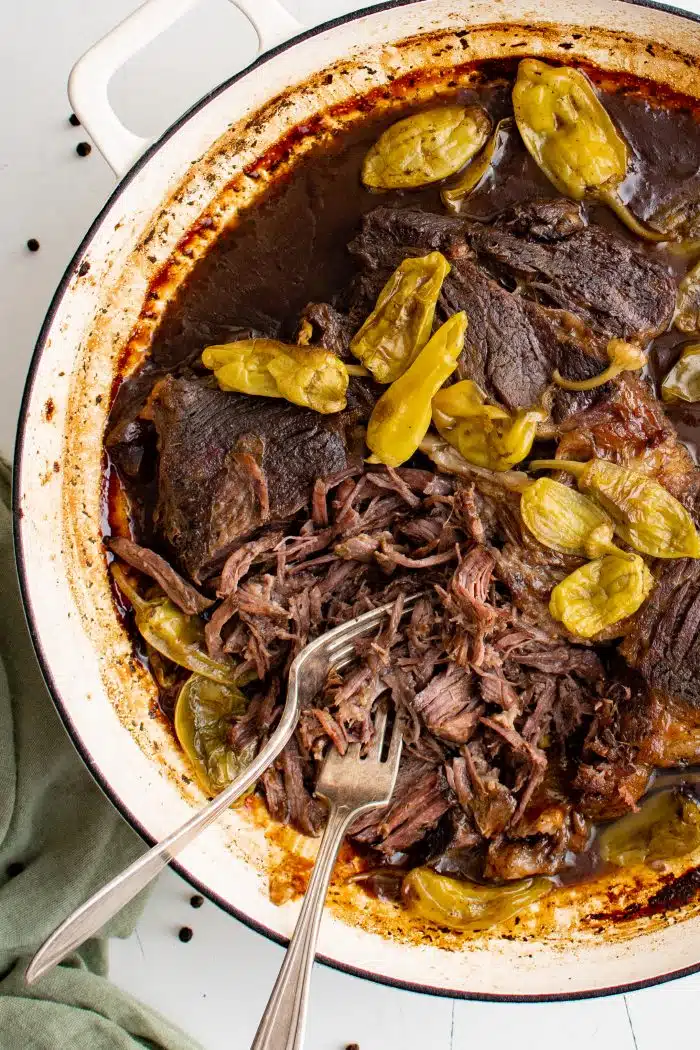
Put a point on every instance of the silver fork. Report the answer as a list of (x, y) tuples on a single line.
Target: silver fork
[(306, 678), (351, 784)]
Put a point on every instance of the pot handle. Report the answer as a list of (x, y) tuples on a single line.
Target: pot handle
[(90, 76)]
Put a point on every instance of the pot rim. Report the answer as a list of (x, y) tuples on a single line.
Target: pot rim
[(44, 665)]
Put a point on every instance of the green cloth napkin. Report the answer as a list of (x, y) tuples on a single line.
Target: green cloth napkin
[(60, 840)]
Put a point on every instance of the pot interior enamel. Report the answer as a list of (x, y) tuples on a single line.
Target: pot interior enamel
[(158, 222)]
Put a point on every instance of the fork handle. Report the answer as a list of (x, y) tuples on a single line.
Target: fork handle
[(283, 1022), (103, 905)]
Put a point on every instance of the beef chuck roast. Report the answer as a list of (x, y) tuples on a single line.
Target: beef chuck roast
[(515, 735), (388, 235), (513, 344), (629, 426), (230, 462), (614, 285), (664, 642), (552, 219)]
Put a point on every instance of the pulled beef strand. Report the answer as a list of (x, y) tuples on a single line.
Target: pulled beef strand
[(182, 593)]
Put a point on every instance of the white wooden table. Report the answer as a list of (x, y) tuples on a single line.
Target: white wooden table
[(216, 985)]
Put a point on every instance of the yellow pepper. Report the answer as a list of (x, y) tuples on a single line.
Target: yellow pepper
[(665, 827), (400, 324), (564, 520), (461, 905), (173, 633), (601, 593), (624, 357), (203, 717), (308, 376), (683, 381), (426, 147), (687, 317), (453, 196), (570, 135), (465, 400), (484, 434), (401, 417), (645, 514)]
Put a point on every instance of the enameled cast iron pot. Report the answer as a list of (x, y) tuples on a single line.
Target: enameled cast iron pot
[(163, 215)]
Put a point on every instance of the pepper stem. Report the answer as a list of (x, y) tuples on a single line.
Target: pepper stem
[(599, 543), (587, 384), (624, 357), (126, 587), (572, 466), (623, 213)]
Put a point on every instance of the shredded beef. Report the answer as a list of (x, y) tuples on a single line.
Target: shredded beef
[(447, 706), (182, 593), (419, 801), (475, 679), (304, 812)]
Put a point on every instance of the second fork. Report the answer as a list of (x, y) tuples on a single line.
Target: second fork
[(351, 785)]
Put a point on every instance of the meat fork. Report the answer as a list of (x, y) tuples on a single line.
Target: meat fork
[(307, 675), (351, 785)]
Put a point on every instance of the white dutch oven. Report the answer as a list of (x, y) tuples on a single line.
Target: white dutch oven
[(100, 320)]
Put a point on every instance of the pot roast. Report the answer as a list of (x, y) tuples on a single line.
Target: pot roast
[(268, 522)]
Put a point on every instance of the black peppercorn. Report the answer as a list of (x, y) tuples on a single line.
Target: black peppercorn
[(74, 120), (197, 901), (33, 244), (186, 934), (83, 149)]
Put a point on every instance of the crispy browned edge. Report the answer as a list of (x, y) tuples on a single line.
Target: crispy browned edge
[(443, 61)]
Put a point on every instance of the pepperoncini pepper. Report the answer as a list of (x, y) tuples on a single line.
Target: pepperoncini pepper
[(601, 593), (646, 515), (308, 376), (462, 905), (426, 147), (665, 827), (683, 381), (564, 520), (484, 434), (624, 357), (570, 135), (448, 460), (174, 634), (202, 721), (400, 324), (453, 196), (401, 417), (687, 317)]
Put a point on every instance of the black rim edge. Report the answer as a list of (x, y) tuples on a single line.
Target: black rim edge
[(54, 692)]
